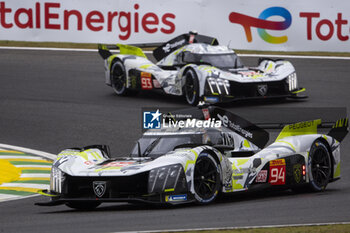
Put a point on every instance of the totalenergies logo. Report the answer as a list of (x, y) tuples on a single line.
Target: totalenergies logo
[(262, 23)]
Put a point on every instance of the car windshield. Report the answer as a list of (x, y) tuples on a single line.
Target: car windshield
[(227, 60), (156, 146)]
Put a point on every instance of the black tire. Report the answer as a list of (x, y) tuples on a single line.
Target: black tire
[(83, 205), (191, 87), (206, 178), (118, 80), (320, 166)]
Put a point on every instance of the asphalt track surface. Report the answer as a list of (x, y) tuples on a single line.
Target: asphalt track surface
[(51, 100)]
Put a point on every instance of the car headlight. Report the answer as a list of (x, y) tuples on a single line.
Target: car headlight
[(292, 81), (166, 178), (56, 179), (219, 85)]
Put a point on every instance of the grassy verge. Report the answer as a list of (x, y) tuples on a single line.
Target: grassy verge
[(339, 228), (8, 43)]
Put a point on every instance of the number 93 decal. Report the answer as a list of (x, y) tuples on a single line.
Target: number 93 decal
[(146, 81)]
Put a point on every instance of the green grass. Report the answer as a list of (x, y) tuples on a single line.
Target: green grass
[(339, 228), (8, 43)]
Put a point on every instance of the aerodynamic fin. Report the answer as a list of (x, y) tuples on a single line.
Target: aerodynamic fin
[(241, 126), (104, 50), (340, 129)]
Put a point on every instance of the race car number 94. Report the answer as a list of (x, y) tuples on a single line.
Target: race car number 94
[(277, 172)]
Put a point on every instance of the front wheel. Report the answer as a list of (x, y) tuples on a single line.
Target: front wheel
[(320, 166), (206, 178), (191, 87)]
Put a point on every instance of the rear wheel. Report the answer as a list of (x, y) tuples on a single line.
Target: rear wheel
[(83, 205), (206, 178), (118, 80), (320, 166), (191, 87)]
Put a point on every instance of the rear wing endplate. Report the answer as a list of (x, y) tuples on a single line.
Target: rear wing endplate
[(104, 50)]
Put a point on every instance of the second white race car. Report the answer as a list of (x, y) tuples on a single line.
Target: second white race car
[(198, 68)]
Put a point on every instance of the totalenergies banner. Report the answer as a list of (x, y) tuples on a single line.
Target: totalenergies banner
[(299, 25)]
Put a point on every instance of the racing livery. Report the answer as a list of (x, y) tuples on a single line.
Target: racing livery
[(198, 68), (194, 164)]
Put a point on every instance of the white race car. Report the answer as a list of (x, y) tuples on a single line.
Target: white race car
[(197, 67), (181, 165)]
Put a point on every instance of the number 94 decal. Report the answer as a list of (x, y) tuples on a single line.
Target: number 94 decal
[(277, 172)]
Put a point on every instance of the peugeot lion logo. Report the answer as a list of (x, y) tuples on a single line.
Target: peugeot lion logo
[(262, 89), (99, 188)]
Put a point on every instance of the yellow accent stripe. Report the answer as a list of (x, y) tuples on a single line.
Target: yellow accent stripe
[(35, 168), (191, 161), (11, 151), (337, 171), (246, 144), (298, 91), (110, 59), (169, 190), (46, 194), (290, 144), (33, 178), (31, 160)]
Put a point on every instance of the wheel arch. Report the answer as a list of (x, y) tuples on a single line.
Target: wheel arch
[(201, 78), (183, 73), (329, 151), (217, 159), (114, 60)]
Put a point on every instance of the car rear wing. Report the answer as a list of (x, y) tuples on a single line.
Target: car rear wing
[(179, 41), (339, 128), (104, 50), (256, 133)]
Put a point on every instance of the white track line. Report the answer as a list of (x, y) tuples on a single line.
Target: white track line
[(236, 228), (30, 151), (150, 52), (7, 196), (24, 185), (35, 175), (33, 166), (19, 157), (16, 197)]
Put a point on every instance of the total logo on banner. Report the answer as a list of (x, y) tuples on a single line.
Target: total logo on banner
[(261, 23)]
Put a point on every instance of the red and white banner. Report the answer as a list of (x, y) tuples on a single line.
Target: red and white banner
[(314, 25)]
